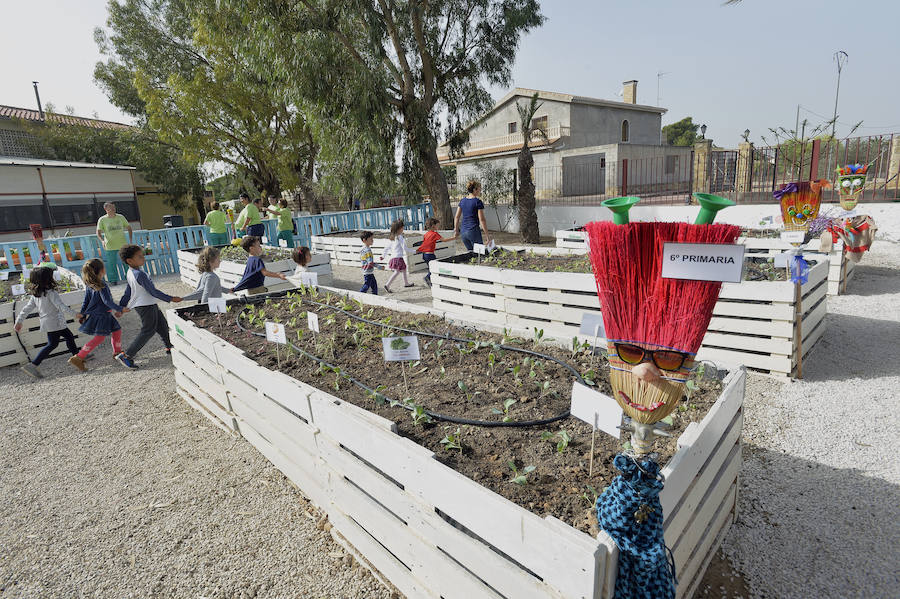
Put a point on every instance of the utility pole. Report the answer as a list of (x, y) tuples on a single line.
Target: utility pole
[(840, 57), (797, 124), (659, 75)]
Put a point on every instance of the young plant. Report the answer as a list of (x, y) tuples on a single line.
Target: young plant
[(492, 363), (465, 389), (438, 352), (593, 493), (507, 404), (417, 413), (453, 440), (520, 477), (515, 371), (376, 395), (538, 335), (561, 436)]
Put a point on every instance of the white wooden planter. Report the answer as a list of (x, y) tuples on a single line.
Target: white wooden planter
[(230, 273), (571, 238), (755, 323), (840, 268), (22, 347), (344, 251), (427, 529)]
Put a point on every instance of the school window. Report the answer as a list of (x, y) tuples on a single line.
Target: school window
[(68, 210), (17, 213), (539, 123), (671, 164), (512, 128), (625, 130)]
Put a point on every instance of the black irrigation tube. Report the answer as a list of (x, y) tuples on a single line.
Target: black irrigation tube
[(434, 415)]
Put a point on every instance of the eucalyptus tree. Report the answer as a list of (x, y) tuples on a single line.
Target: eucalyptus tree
[(528, 222)]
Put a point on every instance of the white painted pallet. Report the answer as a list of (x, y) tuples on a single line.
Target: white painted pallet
[(230, 273), (344, 251), (755, 323), (431, 531), (24, 346), (571, 238), (840, 268)]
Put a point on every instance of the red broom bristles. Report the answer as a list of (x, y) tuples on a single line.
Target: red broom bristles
[(637, 303)]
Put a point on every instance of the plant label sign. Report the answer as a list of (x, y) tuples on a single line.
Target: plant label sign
[(216, 305), (599, 410), (282, 243), (479, 248), (592, 325), (17, 289), (703, 261), (4, 276), (275, 332), (309, 278), (400, 349), (793, 236), (312, 321), (57, 276), (491, 246)]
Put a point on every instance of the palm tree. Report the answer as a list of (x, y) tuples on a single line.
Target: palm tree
[(528, 222)]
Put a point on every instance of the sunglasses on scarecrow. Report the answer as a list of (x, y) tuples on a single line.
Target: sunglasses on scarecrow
[(664, 359)]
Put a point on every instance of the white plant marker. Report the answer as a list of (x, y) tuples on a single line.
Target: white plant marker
[(275, 334), (18, 289), (599, 410), (217, 305), (401, 349)]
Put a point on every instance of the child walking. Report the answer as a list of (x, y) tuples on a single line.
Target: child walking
[(397, 251), (210, 285), (51, 314), (301, 256), (255, 272), (98, 313), (368, 263), (141, 296), (428, 244)]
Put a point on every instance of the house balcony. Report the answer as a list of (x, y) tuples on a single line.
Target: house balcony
[(505, 143)]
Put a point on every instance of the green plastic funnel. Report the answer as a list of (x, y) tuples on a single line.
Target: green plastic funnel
[(620, 207), (709, 205)]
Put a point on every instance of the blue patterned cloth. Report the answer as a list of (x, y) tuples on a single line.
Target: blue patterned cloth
[(630, 512)]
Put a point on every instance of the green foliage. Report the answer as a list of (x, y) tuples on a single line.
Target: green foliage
[(561, 437), (507, 404), (453, 440), (681, 133), (520, 477)]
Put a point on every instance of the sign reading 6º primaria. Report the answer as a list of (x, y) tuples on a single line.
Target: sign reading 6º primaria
[(703, 261)]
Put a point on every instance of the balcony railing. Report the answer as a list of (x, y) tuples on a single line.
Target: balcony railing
[(511, 141)]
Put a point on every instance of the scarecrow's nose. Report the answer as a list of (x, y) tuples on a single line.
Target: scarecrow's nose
[(646, 372)]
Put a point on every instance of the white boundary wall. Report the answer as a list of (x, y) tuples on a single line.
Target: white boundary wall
[(427, 529), (32, 338)]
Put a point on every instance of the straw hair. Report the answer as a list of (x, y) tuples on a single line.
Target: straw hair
[(661, 391), (91, 274)]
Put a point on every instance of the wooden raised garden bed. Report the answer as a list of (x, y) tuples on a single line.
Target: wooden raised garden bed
[(19, 348), (416, 521), (344, 248), (840, 268), (277, 260), (571, 238), (755, 323)]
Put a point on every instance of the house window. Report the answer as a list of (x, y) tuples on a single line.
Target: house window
[(625, 130), (512, 128), (671, 164), (539, 123)]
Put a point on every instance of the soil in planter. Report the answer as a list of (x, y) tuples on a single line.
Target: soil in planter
[(558, 484), (409, 235), (239, 255), (62, 286), (755, 268)]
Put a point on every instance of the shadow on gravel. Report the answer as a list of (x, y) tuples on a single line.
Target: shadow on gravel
[(874, 280), (832, 532), (854, 347)]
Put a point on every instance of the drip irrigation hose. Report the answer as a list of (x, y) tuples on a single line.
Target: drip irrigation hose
[(369, 390)]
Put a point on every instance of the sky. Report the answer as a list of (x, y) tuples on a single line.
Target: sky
[(733, 68)]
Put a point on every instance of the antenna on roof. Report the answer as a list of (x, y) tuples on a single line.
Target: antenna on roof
[(37, 95)]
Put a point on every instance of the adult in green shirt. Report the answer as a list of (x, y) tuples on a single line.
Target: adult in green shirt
[(215, 219), (111, 232), (249, 220), (285, 220)]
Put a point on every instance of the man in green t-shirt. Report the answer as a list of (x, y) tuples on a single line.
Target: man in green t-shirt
[(111, 232), (285, 219), (249, 220), (215, 219)]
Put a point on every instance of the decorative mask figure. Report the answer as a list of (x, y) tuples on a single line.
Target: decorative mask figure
[(857, 233), (654, 325), (851, 181), (800, 203)]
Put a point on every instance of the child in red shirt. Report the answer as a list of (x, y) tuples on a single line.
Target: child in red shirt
[(427, 246)]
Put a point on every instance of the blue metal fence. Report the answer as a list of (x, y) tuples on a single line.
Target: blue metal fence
[(162, 244)]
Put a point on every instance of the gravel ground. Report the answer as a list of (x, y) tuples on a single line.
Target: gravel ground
[(118, 456), (820, 495), (112, 486)]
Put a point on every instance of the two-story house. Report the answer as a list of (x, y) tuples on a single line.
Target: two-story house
[(583, 135)]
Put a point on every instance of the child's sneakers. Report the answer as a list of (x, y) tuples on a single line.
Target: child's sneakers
[(123, 359), (78, 363), (32, 370)]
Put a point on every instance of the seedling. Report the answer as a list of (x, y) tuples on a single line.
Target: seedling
[(376, 395), (561, 436), (593, 493), (443, 373), (520, 477), (544, 389), (515, 371), (438, 352), (492, 362), (417, 412), (465, 389), (453, 440), (538, 335), (507, 404)]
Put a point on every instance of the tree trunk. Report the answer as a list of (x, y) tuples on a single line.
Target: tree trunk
[(437, 186), (528, 222)]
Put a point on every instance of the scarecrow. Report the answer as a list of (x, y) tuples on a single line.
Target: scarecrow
[(857, 233), (800, 203), (851, 180), (654, 328)]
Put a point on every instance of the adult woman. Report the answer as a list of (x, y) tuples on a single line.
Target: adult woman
[(470, 216), (249, 220)]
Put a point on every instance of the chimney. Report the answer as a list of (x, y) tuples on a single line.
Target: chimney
[(629, 91), (38, 97)]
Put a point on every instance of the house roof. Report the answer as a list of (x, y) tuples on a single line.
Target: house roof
[(573, 99), (33, 162), (14, 112)]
